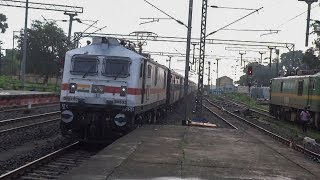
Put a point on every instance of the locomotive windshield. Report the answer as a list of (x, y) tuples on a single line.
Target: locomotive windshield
[(84, 65), (116, 67)]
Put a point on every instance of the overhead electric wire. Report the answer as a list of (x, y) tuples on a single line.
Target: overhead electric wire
[(257, 30), (178, 21), (297, 16), (257, 10), (223, 7)]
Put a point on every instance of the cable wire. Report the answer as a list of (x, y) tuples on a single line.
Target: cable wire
[(178, 21)]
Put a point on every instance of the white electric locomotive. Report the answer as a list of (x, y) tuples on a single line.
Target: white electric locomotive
[(107, 87)]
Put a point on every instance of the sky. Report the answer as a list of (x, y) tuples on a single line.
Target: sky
[(123, 17)]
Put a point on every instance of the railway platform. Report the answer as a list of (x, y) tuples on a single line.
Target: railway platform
[(14, 98), (184, 152)]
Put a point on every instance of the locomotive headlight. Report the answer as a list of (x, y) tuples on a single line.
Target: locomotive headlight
[(72, 87), (97, 89), (123, 91)]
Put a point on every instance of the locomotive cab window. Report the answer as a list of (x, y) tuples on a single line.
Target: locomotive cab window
[(84, 65), (116, 67), (300, 88)]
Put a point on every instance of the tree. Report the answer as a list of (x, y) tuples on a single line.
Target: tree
[(10, 63), (47, 45), (310, 60), (3, 24), (261, 75), (291, 61)]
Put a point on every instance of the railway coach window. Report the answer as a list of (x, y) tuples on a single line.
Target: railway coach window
[(156, 76), (300, 88), (164, 80), (313, 84), (141, 70), (281, 87), (117, 67), (149, 71), (84, 65)]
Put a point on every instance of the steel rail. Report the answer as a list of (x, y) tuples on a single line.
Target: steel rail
[(226, 121), (29, 125), (255, 109), (35, 106), (258, 112), (21, 170), (276, 136), (2, 122)]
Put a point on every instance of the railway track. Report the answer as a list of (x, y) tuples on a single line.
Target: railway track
[(278, 137), (220, 117), (15, 124), (20, 119), (10, 130), (52, 165), (9, 110), (255, 109), (57, 163)]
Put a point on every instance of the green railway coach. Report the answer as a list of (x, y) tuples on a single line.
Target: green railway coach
[(289, 95)]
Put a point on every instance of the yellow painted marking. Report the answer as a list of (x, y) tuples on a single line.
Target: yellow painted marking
[(313, 97)]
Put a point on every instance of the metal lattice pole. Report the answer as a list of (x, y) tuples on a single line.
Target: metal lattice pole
[(202, 56)]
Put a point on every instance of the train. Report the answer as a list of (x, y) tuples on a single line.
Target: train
[(289, 95), (109, 87)]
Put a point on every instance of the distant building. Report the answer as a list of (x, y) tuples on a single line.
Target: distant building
[(225, 84)]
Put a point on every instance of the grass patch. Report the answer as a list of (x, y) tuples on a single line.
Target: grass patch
[(8, 83), (243, 98), (295, 129)]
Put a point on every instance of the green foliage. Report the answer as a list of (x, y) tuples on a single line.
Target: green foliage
[(3, 24), (310, 61), (8, 83), (244, 98), (10, 65), (261, 75), (47, 44), (291, 61)]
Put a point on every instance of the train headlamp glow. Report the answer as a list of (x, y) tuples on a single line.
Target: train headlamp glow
[(123, 91), (72, 87)]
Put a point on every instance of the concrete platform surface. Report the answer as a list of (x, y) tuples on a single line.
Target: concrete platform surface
[(177, 152)]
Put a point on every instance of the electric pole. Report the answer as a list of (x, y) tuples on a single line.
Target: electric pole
[(271, 48), (241, 56), (309, 2), (71, 18), (169, 60), (25, 39), (194, 51), (218, 67), (209, 65), (277, 64), (261, 53), (186, 72)]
